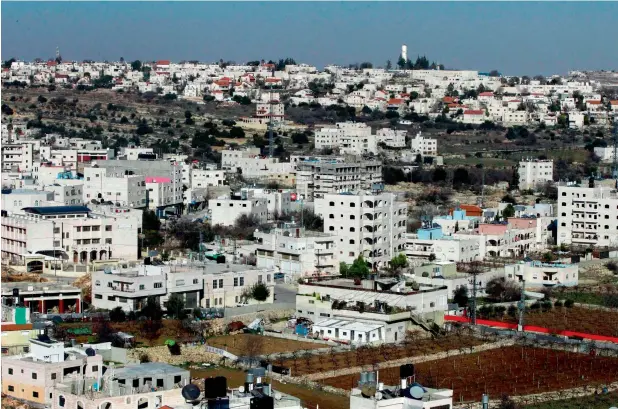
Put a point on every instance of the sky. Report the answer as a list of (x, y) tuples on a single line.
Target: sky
[(516, 38)]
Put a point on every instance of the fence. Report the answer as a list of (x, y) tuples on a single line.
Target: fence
[(532, 328)]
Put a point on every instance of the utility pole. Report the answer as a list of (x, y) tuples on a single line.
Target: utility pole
[(615, 161), (521, 305), (474, 273), (54, 247)]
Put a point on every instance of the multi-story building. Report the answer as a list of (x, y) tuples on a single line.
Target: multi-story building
[(278, 202), (297, 252), (388, 303), (13, 200), (115, 185), (201, 178), (606, 154), (129, 288), (538, 274), (511, 239), (69, 194), (71, 230), (17, 157), (534, 173), (147, 385), (43, 297), (347, 137), (372, 226), (424, 146), (444, 248), (252, 165), (33, 376), (393, 138), (226, 285), (314, 179), (587, 216), (226, 211)]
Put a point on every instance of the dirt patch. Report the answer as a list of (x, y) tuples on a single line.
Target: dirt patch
[(305, 363), (512, 370), (310, 398), (243, 344)]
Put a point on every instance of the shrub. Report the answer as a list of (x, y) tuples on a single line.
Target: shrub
[(536, 306), (612, 266), (144, 358), (558, 304), (569, 303)]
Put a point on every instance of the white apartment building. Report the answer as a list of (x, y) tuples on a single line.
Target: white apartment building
[(129, 288), (252, 165), (606, 154), (372, 226), (162, 193), (458, 248), (201, 178), (116, 186), (297, 252), (225, 211), (314, 179), (513, 239), (17, 157), (381, 301), (81, 235), (424, 146), (67, 194), (16, 199), (538, 274), (348, 137), (137, 153), (278, 202), (587, 216), (534, 173), (393, 138), (225, 285)]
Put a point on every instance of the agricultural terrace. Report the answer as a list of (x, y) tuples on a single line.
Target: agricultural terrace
[(255, 345), (579, 319), (304, 363), (517, 370)]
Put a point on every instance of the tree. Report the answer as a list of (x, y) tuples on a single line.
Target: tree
[(358, 268), (401, 63), (507, 403), (413, 95), (343, 269), (136, 65), (300, 138), (237, 132), (117, 315), (501, 289), (366, 65), (461, 177), (399, 261), (104, 332), (260, 292), (389, 65), (42, 99), (439, 175), (8, 63), (366, 110), (152, 309), (494, 73), (509, 211), (175, 306), (460, 296), (151, 329)]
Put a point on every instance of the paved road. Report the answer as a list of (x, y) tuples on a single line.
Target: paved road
[(285, 293)]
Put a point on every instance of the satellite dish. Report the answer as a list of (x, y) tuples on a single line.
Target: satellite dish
[(378, 395), (90, 352), (190, 392), (241, 389), (368, 390), (416, 392), (277, 395)]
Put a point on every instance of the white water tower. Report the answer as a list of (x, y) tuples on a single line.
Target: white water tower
[(404, 52)]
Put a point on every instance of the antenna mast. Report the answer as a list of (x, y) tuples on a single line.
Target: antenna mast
[(615, 161), (271, 138), (521, 305), (474, 272)]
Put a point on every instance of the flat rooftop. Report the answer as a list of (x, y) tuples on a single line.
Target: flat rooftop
[(7, 288), (352, 325), (147, 369)]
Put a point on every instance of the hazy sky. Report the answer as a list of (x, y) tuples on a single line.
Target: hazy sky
[(513, 37)]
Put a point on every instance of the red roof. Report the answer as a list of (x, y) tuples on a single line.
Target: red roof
[(613, 102), (271, 79), (486, 94), (395, 101), (448, 99), (593, 102), (15, 327), (471, 210), (474, 112), (51, 63), (163, 62), (163, 73), (62, 76)]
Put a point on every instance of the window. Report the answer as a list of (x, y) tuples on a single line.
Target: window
[(268, 278), (108, 228), (331, 228), (110, 284), (260, 279), (53, 376), (177, 379), (158, 285), (242, 281), (98, 296), (97, 283), (95, 368), (352, 229), (331, 216), (86, 228), (108, 241), (235, 281), (214, 284), (142, 286), (220, 283), (180, 282), (10, 371), (331, 204), (35, 394), (111, 298), (11, 388), (195, 281), (96, 228), (352, 204), (351, 241), (56, 230), (79, 228), (352, 217)]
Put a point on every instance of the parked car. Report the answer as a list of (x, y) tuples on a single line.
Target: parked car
[(279, 276)]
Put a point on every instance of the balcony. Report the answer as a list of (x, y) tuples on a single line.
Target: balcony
[(123, 289)]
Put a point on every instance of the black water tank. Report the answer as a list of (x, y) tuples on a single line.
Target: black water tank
[(405, 371)]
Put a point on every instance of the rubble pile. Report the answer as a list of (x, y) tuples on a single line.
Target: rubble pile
[(162, 354)]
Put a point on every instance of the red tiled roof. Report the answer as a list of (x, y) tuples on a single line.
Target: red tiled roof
[(448, 99), (613, 102), (163, 62), (273, 79), (51, 63), (593, 102), (486, 94), (15, 327), (395, 101), (474, 112), (163, 73)]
